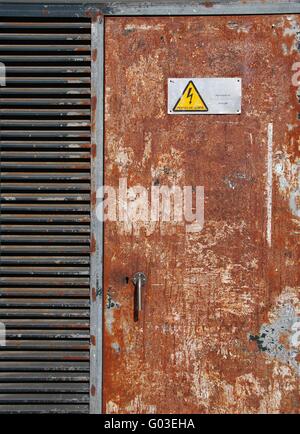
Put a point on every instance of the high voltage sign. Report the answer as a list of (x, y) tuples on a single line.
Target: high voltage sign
[(190, 100), (204, 96)]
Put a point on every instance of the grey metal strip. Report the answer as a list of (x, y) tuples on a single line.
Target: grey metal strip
[(31, 10), (96, 226), (149, 8), (167, 8)]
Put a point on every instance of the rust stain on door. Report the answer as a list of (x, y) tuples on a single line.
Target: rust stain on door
[(220, 328)]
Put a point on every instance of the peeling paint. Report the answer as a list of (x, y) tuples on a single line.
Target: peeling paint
[(116, 347), (238, 27), (133, 27), (288, 175), (111, 306), (138, 406), (121, 155), (237, 180), (149, 84), (279, 339), (291, 32)]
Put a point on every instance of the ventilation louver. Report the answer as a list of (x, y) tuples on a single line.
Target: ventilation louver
[(45, 215)]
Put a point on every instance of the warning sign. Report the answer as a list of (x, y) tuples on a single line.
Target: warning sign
[(190, 100), (204, 96)]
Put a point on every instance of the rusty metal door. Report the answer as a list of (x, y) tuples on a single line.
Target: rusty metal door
[(219, 331)]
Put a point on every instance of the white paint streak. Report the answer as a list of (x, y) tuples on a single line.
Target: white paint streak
[(270, 184), (132, 27), (138, 406)]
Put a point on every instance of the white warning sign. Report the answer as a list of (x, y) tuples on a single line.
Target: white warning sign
[(204, 96)]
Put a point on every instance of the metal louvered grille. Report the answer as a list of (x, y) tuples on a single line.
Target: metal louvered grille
[(45, 215)]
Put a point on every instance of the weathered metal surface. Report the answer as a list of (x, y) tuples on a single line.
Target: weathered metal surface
[(219, 328), (45, 134), (71, 8)]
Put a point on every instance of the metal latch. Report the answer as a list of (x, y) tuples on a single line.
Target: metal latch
[(139, 280)]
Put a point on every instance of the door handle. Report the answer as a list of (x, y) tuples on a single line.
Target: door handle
[(139, 280)]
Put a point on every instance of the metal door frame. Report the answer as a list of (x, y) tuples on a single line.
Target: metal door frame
[(97, 11)]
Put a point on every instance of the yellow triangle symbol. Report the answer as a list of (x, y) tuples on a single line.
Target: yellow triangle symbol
[(190, 100)]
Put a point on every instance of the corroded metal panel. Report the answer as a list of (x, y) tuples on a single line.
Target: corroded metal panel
[(219, 332)]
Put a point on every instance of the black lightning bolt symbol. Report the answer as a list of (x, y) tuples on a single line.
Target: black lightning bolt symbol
[(190, 94)]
